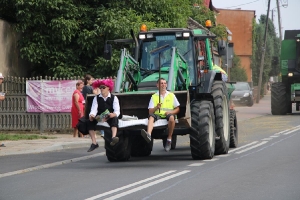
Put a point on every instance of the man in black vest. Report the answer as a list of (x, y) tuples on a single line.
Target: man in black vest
[(102, 102)]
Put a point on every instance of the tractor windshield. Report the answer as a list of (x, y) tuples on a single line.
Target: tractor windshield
[(151, 62), (298, 54)]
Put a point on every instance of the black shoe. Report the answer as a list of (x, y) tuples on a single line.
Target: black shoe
[(114, 141), (93, 147), (146, 135)]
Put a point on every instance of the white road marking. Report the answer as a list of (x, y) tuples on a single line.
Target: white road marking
[(130, 185), (282, 132), (50, 165), (147, 185), (223, 155), (236, 149), (288, 130), (267, 139), (274, 136), (252, 147), (196, 164), (211, 160), (291, 131)]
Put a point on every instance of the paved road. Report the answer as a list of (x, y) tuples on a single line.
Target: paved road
[(264, 166)]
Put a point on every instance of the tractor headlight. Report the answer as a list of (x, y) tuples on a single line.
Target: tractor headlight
[(150, 35), (186, 34), (246, 94), (178, 34), (290, 74), (142, 36)]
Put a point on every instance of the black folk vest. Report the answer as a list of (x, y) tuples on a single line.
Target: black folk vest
[(103, 105)]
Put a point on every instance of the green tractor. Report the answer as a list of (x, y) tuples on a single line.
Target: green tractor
[(287, 92), (182, 56)]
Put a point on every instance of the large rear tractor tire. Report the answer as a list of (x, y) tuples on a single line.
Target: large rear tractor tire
[(140, 147), (202, 136), (121, 150), (233, 130), (221, 103), (279, 101)]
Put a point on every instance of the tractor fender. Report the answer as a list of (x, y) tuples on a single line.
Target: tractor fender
[(208, 79)]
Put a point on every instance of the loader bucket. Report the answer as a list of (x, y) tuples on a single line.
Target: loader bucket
[(136, 104)]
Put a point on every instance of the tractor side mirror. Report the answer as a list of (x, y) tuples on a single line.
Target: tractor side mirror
[(222, 48), (107, 51)]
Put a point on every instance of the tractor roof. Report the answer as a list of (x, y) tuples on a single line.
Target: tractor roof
[(195, 32)]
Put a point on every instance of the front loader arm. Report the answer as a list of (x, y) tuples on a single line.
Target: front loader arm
[(128, 74), (178, 73)]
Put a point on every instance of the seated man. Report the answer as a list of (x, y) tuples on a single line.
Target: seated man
[(166, 109), (104, 101), (220, 70)]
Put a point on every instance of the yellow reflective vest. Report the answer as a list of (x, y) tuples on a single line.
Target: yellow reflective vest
[(167, 104), (219, 69)]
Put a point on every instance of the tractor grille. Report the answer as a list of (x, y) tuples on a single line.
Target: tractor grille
[(297, 93)]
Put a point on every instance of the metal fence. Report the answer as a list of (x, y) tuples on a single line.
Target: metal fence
[(13, 115)]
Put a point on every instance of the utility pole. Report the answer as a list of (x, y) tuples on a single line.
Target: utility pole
[(272, 15), (263, 55), (279, 20)]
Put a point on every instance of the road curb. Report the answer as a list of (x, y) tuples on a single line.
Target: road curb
[(55, 147)]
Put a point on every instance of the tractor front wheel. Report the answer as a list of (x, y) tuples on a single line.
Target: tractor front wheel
[(202, 136)]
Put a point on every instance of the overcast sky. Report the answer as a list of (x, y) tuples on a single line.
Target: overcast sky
[(290, 13)]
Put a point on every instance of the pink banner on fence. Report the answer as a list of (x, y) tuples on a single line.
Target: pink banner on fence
[(49, 96)]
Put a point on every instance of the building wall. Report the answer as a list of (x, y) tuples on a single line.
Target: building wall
[(10, 60), (239, 22), (245, 61)]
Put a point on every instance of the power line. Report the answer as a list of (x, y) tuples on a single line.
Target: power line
[(243, 4)]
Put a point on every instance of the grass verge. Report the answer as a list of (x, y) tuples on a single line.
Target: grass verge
[(23, 137)]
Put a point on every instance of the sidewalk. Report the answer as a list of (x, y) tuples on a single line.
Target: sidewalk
[(61, 141), (66, 141), (261, 109)]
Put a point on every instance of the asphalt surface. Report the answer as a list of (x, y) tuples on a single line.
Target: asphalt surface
[(66, 141), (265, 165)]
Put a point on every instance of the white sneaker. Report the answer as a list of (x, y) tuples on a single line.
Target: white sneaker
[(168, 145)]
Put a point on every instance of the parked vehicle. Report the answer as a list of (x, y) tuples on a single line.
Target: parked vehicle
[(243, 94), (287, 92)]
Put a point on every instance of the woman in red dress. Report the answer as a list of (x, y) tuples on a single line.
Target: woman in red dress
[(77, 107)]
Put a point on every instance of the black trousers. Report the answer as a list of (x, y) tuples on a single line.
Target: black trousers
[(157, 117), (113, 122)]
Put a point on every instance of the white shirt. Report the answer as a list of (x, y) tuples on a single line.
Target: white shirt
[(116, 105), (175, 103)]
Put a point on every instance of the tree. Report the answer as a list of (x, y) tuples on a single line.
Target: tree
[(237, 72), (271, 67), (66, 38)]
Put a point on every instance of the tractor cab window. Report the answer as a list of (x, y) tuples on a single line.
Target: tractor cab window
[(151, 61), (298, 56)]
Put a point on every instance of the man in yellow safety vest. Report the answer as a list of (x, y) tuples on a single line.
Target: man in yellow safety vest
[(166, 108), (219, 69)]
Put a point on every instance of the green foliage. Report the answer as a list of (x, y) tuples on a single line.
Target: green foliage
[(66, 37), (22, 137), (202, 14), (271, 67), (237, 72)]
